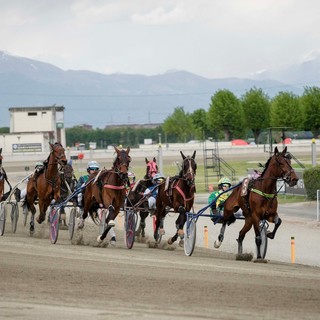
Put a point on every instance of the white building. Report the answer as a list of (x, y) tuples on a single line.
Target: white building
[(32, 128)]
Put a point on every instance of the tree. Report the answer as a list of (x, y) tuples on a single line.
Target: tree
[(199, 120), (180, 124), (256, 110), (286, 111), (225, 113), (310, 101)]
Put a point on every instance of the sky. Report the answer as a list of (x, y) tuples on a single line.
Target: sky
[(211, 38)]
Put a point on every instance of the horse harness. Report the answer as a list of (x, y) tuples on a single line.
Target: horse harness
[(174, 183)]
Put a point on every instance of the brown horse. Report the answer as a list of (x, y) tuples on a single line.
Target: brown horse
[(3, 177), (179, 195), (258, 200), (45, 185), (108, 190), (135, 195)]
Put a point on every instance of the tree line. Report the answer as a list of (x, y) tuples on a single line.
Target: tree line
[(228, 117)]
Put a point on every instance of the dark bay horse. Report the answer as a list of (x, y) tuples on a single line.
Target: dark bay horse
[(68, 181), (258, 200), (45, 185), (177, 193), (108, 190), (3, 178), (135, 194)]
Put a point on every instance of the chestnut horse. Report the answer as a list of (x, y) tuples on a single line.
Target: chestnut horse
[(45, 185), (136, 193), (178, 194), (258, 199), (108, 190)]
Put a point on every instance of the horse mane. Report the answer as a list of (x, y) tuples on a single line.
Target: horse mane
[(265, 167)]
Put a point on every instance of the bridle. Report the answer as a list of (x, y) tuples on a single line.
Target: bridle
[(285, 174), (59, 156), (190, 173), (121, 164)]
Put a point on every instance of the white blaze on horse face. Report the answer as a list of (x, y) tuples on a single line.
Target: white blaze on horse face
[(190, 173)]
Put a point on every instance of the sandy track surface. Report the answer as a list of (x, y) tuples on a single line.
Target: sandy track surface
[(78, 279)]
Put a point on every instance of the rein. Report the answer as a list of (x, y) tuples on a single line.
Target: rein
[(182, 193)]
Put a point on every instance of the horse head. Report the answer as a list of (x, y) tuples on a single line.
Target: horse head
[(152, 168), (58, 153), (284, 168), (122, 161), (68, 172), (189, 167)]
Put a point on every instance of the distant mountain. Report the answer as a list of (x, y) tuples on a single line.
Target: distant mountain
[(101, 100)]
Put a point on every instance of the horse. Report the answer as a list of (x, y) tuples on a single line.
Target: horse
[(68, 181), (3, 178), (135, 194), (45, 185), (178, 194), (68, 184), (107, 190), (258, 200)]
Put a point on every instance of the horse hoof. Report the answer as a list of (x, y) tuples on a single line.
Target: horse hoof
[(181, 243), (217, 244), (260, 260), (270, 235), (170, 241), (81, 224), (99, 239), (111, 223)]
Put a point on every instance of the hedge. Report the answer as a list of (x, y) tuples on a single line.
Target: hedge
[(311, 178)]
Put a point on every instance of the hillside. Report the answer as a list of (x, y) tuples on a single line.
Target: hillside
[(105, 99)]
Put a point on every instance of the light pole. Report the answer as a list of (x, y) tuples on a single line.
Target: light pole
[(314, 153), (160, 159)]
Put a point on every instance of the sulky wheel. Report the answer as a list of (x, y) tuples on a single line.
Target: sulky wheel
[(190, 235), (72, 221), (130, 226), (2, 217), (14, 216), (54, 216)]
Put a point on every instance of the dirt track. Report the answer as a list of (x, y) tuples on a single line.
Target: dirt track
[(80, 280)]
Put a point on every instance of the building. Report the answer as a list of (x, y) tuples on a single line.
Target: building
[(32, 128)]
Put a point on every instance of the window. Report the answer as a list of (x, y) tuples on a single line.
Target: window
[(32, 114)]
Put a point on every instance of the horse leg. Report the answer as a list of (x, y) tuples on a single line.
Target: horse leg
[(103, 236), (83, 215), (142, 226), (159, 219), (258, 238), (247, 226), (219, 241), (179, 225), (109, 221), (43, 205), (33, 213), (277, 222)]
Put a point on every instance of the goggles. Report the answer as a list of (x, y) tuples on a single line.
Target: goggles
[(93, 169)]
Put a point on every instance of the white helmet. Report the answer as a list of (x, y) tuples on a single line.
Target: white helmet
[(93, 165), (157, 178)]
